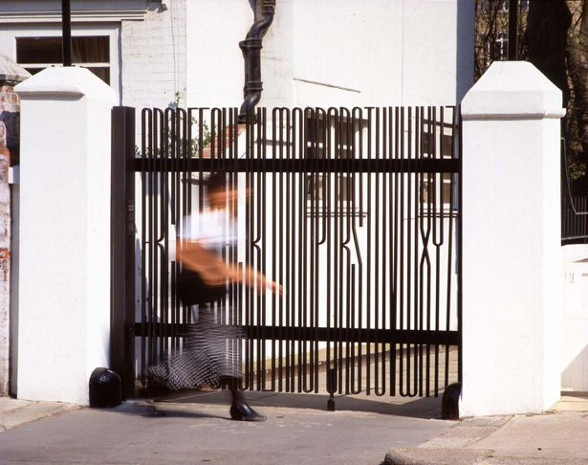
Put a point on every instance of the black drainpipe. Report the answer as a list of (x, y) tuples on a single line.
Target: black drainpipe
[(251, 48)]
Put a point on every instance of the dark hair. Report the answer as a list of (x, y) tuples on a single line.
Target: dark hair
[(217, 181)]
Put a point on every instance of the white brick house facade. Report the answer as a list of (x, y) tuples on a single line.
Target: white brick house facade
[(147, 41), (153, 57)]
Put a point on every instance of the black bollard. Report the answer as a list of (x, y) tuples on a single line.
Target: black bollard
[(105, 388), (450, 403)]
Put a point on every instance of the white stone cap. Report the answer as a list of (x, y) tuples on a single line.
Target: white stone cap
[(513, 90), (72, 82)]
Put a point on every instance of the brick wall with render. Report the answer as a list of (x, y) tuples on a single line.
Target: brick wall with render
[(154, 56), (9, 109)]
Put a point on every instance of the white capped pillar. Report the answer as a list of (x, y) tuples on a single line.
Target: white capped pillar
[(64, 298), (511, 242)]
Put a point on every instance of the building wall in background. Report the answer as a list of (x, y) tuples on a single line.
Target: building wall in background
[(335, 52), (153, 57)]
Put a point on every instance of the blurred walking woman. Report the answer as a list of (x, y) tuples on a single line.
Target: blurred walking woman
[(209, 355)]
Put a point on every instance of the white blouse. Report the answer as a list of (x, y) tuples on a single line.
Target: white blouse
[(214, 229)]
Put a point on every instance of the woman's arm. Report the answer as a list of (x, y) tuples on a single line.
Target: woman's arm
[(214, 271)]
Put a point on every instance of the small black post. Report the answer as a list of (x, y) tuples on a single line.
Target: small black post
[(66, 32), (513, 22), (331, 388), (122, 251)]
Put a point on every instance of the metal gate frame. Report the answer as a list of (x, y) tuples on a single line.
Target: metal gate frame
[(125, 329)]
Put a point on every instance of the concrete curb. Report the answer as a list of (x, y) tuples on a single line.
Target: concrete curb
[(15, 412), (417, 456)]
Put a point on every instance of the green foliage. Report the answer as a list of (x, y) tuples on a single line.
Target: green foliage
[(179, 145), (196, 142)]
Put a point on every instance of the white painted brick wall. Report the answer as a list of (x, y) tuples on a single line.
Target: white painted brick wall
[(9, 104), (153, 55)]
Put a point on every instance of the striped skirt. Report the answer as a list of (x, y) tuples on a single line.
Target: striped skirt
[(209, 353), (210, 350)]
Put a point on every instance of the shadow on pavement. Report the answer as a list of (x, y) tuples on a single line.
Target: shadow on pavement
[(147, 409), (408, 407)]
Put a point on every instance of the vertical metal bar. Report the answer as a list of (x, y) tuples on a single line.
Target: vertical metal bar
[(347, 213), (376, 215), (401, 220), (146, 130), (236, 295), (454, 179), (438, 240), (357, 115), (395, 288), (432, 229), (274, 245), (361, 273), (122, 252), (370, 218), (420, 231), (156, 225), (169, 137), (173, 221), (438, 223), (297, 152), (249, 236), (150, 238), (264, 247), (331, 247), (66, 32), (386, 135), (416, 269), (262, 235), (309, 196), (513, 21), (385, 253), (291, 151), (229, 154), (303, 260), (256, 141), (318, 241), (460, 253), (339, 241), (409, 305), (283, 246)]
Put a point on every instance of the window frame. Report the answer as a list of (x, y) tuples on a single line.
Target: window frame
[(10, 34)]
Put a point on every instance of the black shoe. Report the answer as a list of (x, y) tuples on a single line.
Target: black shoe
[(241, 411)]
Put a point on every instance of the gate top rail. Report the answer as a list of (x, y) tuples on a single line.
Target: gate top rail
[(299, 165)]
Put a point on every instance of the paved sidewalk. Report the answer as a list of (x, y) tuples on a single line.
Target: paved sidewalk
[(15, 412), (557, 437), (196, 428)]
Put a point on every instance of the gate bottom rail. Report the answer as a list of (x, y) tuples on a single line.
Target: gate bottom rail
[(312, 334)]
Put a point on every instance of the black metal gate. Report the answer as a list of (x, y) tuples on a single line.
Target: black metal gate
[(354, 211), (574, 208)]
